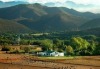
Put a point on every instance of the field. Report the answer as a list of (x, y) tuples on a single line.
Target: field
[(22, 61)]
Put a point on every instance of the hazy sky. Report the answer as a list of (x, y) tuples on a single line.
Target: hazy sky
[(81, 5)]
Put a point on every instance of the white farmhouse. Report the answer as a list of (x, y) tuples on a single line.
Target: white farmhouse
[(51, 53)]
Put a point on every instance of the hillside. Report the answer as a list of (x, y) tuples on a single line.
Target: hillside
[(46, 19), (57, 22), (11, 26), (93, 31), (88, 15), (36, 10), (71, 11), (22, 11), (95, 23)]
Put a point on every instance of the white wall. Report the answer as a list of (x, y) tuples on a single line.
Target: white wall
[(61, 54)]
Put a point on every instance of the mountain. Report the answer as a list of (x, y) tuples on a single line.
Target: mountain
[(11, 26), (71, 11), (36, 10), (46, 19), (22, 11), (88, 15), (11, 3), (74, 12), (95, 23), (55, 22)]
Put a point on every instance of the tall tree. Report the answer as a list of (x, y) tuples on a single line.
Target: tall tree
[(97, 50), (47, 44), (59, 45), (79, 44), (69, 50), (91, 47)]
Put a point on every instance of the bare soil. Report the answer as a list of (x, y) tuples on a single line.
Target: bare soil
[(18, 61)]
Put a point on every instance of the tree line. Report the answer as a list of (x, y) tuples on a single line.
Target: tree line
[(75, 45)]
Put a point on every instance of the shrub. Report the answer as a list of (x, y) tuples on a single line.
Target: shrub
[(6, 48)]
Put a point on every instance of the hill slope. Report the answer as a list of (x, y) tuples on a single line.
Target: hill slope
[(33, 11), (45, 19), (56, 22), (95, 23), (11, 26), (36, 10)]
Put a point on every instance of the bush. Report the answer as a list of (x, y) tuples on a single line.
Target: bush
[(6, 48), (27, 49)]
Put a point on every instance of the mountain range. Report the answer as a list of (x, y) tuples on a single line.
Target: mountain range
[(11, 3), (39, 18)]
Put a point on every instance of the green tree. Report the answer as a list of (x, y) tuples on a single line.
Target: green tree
[(57, 42), (91, 48), (97, 50), (79, 44), (27, 49), (58, 45), (69, 50), (47, 44), (90, 37)]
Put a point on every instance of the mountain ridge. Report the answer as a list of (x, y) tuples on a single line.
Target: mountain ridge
[(11, 3), (46, 19)]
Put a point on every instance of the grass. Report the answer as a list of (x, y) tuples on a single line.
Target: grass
[(65, 57)]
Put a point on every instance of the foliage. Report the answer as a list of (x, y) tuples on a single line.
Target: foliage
[(60, 50), (58, 45), (27, 49), (79, 44), (69, 50), (47, 44), (97, 50), (5, 48)]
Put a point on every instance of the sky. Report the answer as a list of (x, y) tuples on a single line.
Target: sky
[(80, 5)]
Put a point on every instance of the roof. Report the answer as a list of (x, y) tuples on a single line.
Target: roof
[(50, 51)]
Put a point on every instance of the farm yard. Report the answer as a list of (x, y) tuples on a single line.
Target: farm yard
[(22, 61)]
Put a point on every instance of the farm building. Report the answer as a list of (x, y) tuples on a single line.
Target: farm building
[(50, 53)]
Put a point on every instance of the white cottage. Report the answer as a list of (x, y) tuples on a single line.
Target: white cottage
[(51, 53)]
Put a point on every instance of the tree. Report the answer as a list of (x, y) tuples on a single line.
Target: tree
[(6, 48), (97, 50), (58, 44), (27, 49), (91, 47), (90, 37), (47, 44), (79, 44), (69, 50)]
